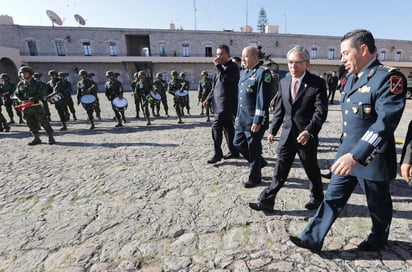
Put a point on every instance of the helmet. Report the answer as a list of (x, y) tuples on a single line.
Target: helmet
[(141, 73), (52, 72), (4, 75), (174, 73), (204, 73), (62, 74), (136, 74), (182, 74), (159, 75), (26, 69), (82, 73), (109, 73)]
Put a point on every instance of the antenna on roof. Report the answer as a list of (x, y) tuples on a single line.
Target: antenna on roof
[(79, 19), (54, 17)]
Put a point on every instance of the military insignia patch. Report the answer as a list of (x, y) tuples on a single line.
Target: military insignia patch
[(364, 89), (268, 78), (396, 84)]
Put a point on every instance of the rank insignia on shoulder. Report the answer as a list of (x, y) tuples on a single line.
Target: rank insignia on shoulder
[(268, 78), (396, 84)]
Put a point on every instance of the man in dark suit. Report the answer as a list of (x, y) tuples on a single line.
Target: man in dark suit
[(406, 158), (224, 101), (301, 106), (373, 101), (255, 91)]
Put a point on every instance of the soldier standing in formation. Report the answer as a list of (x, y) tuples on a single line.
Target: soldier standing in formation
[(160, 86), (67, 92), (204, 88), (136, 96), (114, 89), (55, 86), (185, 87), (174, 85), (142, 89), (7, 88), (37, 77), (87, 86), (32, 91), (3, 123)]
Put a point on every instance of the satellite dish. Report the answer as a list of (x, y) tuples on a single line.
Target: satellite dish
[(79, 19), (54, 17)]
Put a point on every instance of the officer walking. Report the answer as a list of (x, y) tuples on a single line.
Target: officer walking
[(185, 87), (143, 88), (252, 119), (372, 101), (55, 86), (174, 85), (31, 93), (86, 86), (67, 92)]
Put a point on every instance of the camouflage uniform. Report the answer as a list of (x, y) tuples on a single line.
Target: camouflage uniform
[(67, 92), (114, 88), (143, 88), (7, 88), (55, 86), (160, 86), (30, 90), (204, 88), (87, 86), (136, 96), (175, 84), (3, 123), (46, 92), (185, 87)]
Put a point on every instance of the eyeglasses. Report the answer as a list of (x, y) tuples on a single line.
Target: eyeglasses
[(297, 62)]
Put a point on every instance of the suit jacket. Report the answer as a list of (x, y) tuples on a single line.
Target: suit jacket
[(407, 148), (371, 110), (224, 92), (307, 112)]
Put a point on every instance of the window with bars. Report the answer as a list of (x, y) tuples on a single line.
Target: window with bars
[(113, 51), (87, 49), (185, 50), (61, 51)]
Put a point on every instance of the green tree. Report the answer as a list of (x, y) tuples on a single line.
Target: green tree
[(263, 20)]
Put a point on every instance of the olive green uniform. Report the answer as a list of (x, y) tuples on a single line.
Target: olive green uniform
[(143, 88), (204, 88), (172, 87), (186, 87), (87, 86), (160, 86), (7, 89), (137, 98), (33, 91), (114, 88), (56, 86), (3, 122)]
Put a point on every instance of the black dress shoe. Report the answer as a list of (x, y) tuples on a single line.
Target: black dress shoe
[(367, 246), (260, 206), (297, 241), (231, 156), (214, 159), (251, 184), (313, 204)]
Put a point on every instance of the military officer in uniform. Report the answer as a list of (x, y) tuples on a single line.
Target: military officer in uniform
[(114, 88), (203, 89), (174, 85), (87, 86), (252, 119), (136, 96), (31, 93), (160, 86), (55, 85), (7, 88), (67, 92), (142, 89), (372, 103)]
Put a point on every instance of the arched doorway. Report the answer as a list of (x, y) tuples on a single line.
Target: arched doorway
[(8, 66)]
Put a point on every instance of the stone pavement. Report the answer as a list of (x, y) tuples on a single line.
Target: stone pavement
[(143, 198)]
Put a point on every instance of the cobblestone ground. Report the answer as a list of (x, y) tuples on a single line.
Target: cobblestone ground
[(143, 198)]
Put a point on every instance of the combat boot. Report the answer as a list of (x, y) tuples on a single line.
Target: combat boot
[(36, 139), (6, 128), (167, 114), (51, 139), (11, 121), (74, 116)]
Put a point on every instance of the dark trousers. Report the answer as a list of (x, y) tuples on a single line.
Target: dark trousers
[(339, 190), (286, 154), (250, 146), (223, 123), (61, 108)]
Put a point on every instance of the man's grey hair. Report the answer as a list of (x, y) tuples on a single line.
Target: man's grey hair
[(302, 50)]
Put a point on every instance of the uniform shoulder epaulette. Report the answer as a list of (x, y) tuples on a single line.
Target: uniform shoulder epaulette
[(387, 68)]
